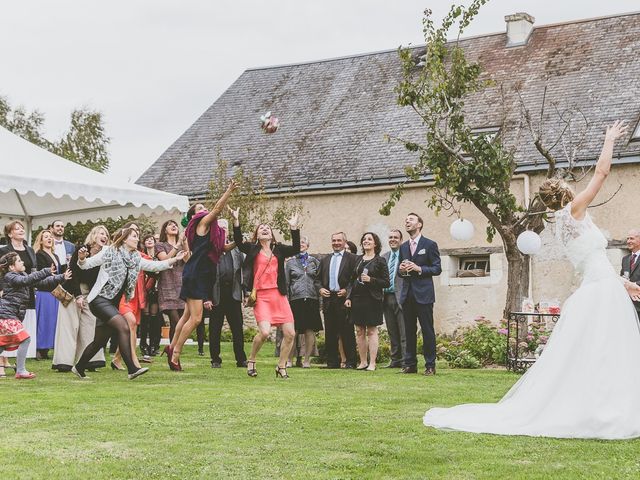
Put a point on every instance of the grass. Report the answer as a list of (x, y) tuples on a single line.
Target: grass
[(320, 424)]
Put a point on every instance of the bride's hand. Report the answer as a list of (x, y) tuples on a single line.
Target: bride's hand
[(633, 289), (615, 131)]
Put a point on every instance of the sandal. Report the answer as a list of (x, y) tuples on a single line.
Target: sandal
[(251, 371), (25, 376)]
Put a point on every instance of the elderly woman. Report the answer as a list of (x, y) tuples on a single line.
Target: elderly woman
[(303, 285), (365, 299), (119, 267), (76, 323)]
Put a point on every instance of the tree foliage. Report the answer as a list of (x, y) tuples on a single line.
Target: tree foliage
[(465, 164), (77, 233), (255, 205), (85, 141)]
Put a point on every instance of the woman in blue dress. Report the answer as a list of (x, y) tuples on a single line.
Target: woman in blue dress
[(46, 303), (207, 243)]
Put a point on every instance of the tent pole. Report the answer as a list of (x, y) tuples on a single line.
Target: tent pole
[(27, 217)]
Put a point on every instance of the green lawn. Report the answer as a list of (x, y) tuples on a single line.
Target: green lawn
[(320, 424)]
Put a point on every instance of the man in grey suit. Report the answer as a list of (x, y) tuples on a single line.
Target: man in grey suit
[(391, 302), (631, 262)]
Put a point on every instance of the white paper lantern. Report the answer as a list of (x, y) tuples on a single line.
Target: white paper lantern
[(462, 230), (529, 242)]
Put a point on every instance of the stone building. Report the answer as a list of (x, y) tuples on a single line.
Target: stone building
[(330, 149)]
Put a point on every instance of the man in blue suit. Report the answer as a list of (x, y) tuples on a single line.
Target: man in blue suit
[(419, 263)]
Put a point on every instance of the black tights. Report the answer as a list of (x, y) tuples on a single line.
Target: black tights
[(174, 317), (150, 328), (120, 328)]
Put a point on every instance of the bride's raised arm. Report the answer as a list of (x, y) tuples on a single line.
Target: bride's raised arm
[(603, 166)]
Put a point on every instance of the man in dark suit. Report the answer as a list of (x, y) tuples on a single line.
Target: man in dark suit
[(336, 272), (631, 262), (419, 262), (391, 302), (227, 302)]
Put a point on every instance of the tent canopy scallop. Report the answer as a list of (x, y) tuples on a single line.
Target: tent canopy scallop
[(40, 187)]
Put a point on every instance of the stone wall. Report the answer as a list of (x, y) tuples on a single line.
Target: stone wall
[(460, 300)]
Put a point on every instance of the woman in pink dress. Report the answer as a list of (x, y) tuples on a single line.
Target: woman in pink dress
[(263, 269)]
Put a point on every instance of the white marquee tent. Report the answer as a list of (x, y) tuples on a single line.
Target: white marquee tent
[(39, 187)]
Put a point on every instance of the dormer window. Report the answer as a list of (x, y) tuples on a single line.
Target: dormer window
[(636, 133), (489, 133)]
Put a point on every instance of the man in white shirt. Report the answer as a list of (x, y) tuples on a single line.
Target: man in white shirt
[(61, 247)]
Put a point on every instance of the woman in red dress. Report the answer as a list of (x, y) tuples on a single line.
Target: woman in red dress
[(263, 269)]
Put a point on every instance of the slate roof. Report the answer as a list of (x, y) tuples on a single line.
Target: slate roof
[(334, 113)]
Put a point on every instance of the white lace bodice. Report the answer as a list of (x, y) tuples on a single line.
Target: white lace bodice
[(584, 243)]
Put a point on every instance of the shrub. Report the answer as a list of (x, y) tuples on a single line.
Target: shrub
[(474, 347)]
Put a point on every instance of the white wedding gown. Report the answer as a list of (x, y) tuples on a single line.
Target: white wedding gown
[(586, 383)]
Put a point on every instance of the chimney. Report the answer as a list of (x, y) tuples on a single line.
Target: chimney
[(519, 28)]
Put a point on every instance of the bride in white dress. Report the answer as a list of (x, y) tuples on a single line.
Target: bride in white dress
[(586, 384)]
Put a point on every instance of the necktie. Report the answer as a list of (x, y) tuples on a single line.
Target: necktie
[(333, 280), (412, 247), (634, 257), (393, 261), (304, 259)]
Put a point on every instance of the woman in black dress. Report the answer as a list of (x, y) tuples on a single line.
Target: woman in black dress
[(206, 243), (365, 299)]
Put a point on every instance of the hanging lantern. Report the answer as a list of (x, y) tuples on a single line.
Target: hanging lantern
[(462, 230), (529, 242)]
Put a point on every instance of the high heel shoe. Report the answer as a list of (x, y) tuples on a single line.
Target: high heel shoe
[(168, 351), (252, 372), (279, 373), (116, 367)]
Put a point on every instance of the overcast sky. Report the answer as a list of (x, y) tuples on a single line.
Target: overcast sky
[(152, 67)]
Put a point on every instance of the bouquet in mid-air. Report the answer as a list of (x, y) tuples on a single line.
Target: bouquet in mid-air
[(269, 123)]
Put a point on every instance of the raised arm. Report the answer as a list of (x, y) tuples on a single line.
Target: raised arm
[(49, 283), (94, 261), (160, 265), (582, 200), (217, 208), (294, 248), (243, 246), (32, 279)]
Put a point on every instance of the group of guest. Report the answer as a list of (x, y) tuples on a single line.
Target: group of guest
[(358, 291), (123, 285)]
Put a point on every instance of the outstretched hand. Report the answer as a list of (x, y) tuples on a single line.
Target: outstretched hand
[(293, 222), (82, 253), (233, 185), (235, 214), (53, 269), (67, 274), (617, 130)]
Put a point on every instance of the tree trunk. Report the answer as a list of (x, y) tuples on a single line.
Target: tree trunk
[(517, 277)]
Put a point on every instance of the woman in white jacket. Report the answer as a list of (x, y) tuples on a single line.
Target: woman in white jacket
[(119, 267)]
